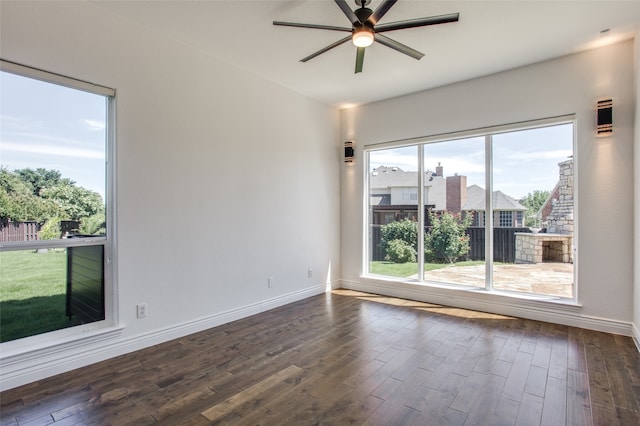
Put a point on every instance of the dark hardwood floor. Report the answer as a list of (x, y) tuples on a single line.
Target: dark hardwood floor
[(352, 358)]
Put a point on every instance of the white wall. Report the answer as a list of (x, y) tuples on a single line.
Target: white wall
[(223, 179), (567, 85)]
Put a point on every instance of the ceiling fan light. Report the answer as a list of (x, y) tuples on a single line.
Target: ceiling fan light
[(363, 37)]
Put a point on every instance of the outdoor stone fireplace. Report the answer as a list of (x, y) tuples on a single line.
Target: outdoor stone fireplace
[(538, 248), (556, 245)]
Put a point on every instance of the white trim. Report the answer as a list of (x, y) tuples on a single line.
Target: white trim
[(636, 336), (52, 244), (49, 77), (27, 367), (479, 300), (472, 133)]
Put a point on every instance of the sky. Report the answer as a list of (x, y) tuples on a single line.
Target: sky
[(53, 127), (523, 161)]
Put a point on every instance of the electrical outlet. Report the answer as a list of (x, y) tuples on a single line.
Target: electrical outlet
[(309, 273), (141, 310), (270, 282)]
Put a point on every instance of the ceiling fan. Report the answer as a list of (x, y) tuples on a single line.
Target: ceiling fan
[(365, 29)]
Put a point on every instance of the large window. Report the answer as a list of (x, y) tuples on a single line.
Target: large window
[(508, 192), (55, 202)]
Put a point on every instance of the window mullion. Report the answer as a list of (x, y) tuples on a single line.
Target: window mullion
[(488, 212), (420, 214)]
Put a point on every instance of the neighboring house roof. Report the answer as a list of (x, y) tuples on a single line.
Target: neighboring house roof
[(380, 200), (501, 201), (395, 177), (383, 178)]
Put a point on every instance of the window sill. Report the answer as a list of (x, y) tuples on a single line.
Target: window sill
[(47, 344), (451, 292)]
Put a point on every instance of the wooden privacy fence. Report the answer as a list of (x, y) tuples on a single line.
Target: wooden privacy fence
[(504, 243), (18, 231)]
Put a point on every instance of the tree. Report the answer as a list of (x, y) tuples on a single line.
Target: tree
[(18, 203), (40, 179), (76, 202), (534, 201), (447, 239), (42, 194)]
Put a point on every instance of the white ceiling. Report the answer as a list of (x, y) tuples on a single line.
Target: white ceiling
[(491, 36)]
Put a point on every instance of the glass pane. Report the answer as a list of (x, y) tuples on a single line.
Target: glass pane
[(52, 151), (49, 289), (454, 210), (393, 212), (533, 211)]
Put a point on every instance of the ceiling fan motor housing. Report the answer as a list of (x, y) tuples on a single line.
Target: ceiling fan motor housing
[(363, 15)]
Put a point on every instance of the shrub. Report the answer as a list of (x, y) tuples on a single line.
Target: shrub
[(447, 239), (405, 230), (93, 225), (398, 251), (50, 230)]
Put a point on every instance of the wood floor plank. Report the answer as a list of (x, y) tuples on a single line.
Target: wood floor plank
[(578, 402), (554, 410), (352, 358), (505, 412), (530, 412), (480, 405), (558, 362), (536, 381), (517, 378), (237, 400)]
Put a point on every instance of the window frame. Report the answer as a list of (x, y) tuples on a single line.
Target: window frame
[(109, 325), (488, 222)]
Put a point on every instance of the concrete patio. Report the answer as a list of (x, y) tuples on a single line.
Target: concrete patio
[(553, 279)]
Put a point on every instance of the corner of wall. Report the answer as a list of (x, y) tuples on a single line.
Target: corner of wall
[(636, 197)]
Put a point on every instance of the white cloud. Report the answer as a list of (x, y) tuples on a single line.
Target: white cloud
[(95, 125), (52, 150), (10, 122), (559, 154)]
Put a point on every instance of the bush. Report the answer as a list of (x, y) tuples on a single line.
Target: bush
[(398, 251), (447, 239), (50, 230), (93, 225), (405, 230)]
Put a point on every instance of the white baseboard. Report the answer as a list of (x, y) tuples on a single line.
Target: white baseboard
[(540, 310), (29, 366), (636, 336)]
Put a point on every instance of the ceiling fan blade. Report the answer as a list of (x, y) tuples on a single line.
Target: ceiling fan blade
[(350, 14), (329, 47), (318, 27), (402, 48), (418, 22), (381, 10), (359, 59)]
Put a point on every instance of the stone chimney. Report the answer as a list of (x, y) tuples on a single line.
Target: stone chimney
[(439, 170), (560, 220), (456, 193)]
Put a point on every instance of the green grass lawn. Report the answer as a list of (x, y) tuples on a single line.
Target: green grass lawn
[(405, 270), (32, 293)]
